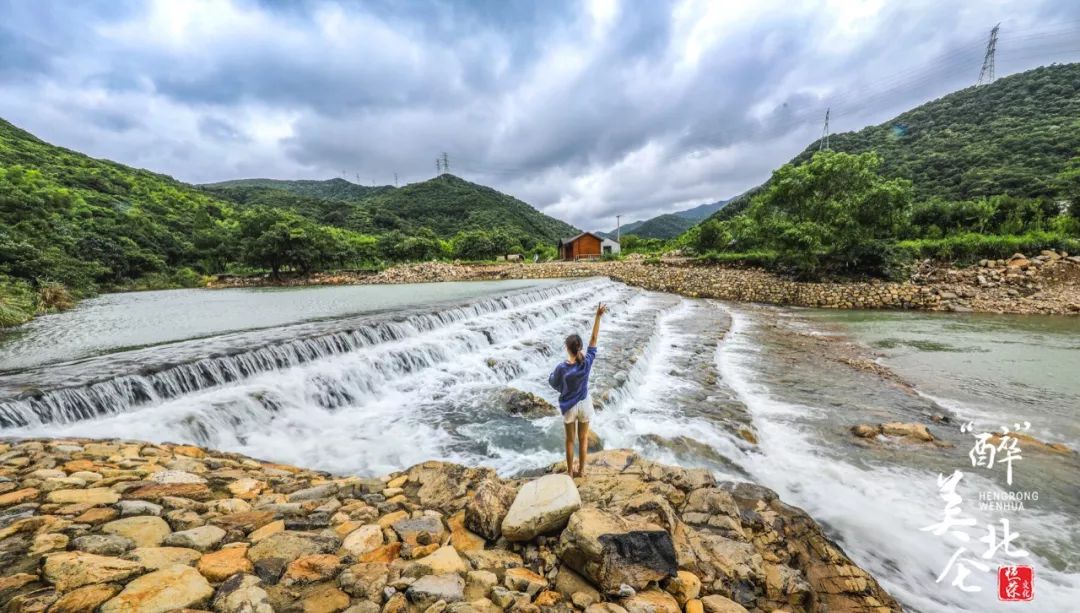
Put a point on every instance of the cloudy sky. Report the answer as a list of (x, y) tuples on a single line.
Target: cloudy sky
[(584, 109)]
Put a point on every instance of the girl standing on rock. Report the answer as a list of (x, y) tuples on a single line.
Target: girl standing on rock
[(571, 379)]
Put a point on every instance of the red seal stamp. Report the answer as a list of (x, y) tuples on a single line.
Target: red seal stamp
[(1016, 583)]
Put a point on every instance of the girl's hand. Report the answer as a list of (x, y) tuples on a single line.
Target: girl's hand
[(600, 310)]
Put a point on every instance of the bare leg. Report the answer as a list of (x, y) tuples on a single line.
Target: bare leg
[(569, 448), (583, 446)]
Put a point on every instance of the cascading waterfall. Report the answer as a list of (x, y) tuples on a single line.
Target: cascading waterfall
[(126, 392), (677, 379)]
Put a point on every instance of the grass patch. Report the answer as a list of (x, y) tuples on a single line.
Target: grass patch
[(742, 258), (17, 303), (970, 247)]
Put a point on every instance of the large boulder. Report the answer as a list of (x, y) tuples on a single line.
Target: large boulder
[(443, 486), (518, 402), (542, 505), (485, 511), (612, 551)]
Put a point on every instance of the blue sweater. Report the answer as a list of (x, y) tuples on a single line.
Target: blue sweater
[(572, 380)]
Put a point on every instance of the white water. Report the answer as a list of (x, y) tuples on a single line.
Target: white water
[(877, 513), (670, 384)]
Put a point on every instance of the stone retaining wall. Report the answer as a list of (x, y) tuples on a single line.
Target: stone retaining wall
[(1043, 284)]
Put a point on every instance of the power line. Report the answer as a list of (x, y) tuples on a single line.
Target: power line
[(986, 74)]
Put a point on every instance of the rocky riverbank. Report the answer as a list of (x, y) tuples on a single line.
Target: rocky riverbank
[(1048, 283), (128, 526)]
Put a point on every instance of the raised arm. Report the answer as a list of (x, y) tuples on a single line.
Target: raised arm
[(600, 310)]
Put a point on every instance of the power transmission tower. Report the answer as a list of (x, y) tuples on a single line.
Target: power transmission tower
[(824, 142), (395, 179), (445, 162), (986, 75), (438, 167)]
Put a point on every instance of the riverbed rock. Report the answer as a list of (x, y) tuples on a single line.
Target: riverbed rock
[(86, 598), (168, 589), (242, 594), (143, 530), (525, 404), (1026, 442), (612, 551), (430, 589), (689, 535), (217, 566), (721, 604), (70, 570), (486, 509), (651, 601), (444, 560), (203, 538), (289, 545), (363, 540), (156, 558), (542, 505), (103, 544), (91, 496), (905, 432), (913, 432)]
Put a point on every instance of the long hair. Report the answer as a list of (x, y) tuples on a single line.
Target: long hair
[(573, 345)]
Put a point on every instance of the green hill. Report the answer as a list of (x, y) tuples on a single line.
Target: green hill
[(448, 205), (702, 211), (331, 189), (83, 222), (445, 205), (1013, 137), (664, 226), (69, 220), (668, 225)]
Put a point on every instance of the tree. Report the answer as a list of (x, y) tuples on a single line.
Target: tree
[(275, 238), (1069, 181), (473, 245), (832, 214)]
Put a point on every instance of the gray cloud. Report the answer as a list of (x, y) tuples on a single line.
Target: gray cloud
[(585, 110)]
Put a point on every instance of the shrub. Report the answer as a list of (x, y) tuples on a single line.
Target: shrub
[(52, 297)]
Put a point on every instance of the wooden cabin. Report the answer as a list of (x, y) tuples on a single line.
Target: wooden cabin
[(584, 245)]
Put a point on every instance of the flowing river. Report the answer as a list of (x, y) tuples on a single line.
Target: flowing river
[(370, 379)]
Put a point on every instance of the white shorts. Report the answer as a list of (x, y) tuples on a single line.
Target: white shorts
[(580, 412)]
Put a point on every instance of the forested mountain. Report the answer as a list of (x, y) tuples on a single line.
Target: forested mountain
[(668, 225), (331, 189), (448, 204), (71, 221), (664, 226), (1011, 137), (76, 220), (445, 205), (702, 211)]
